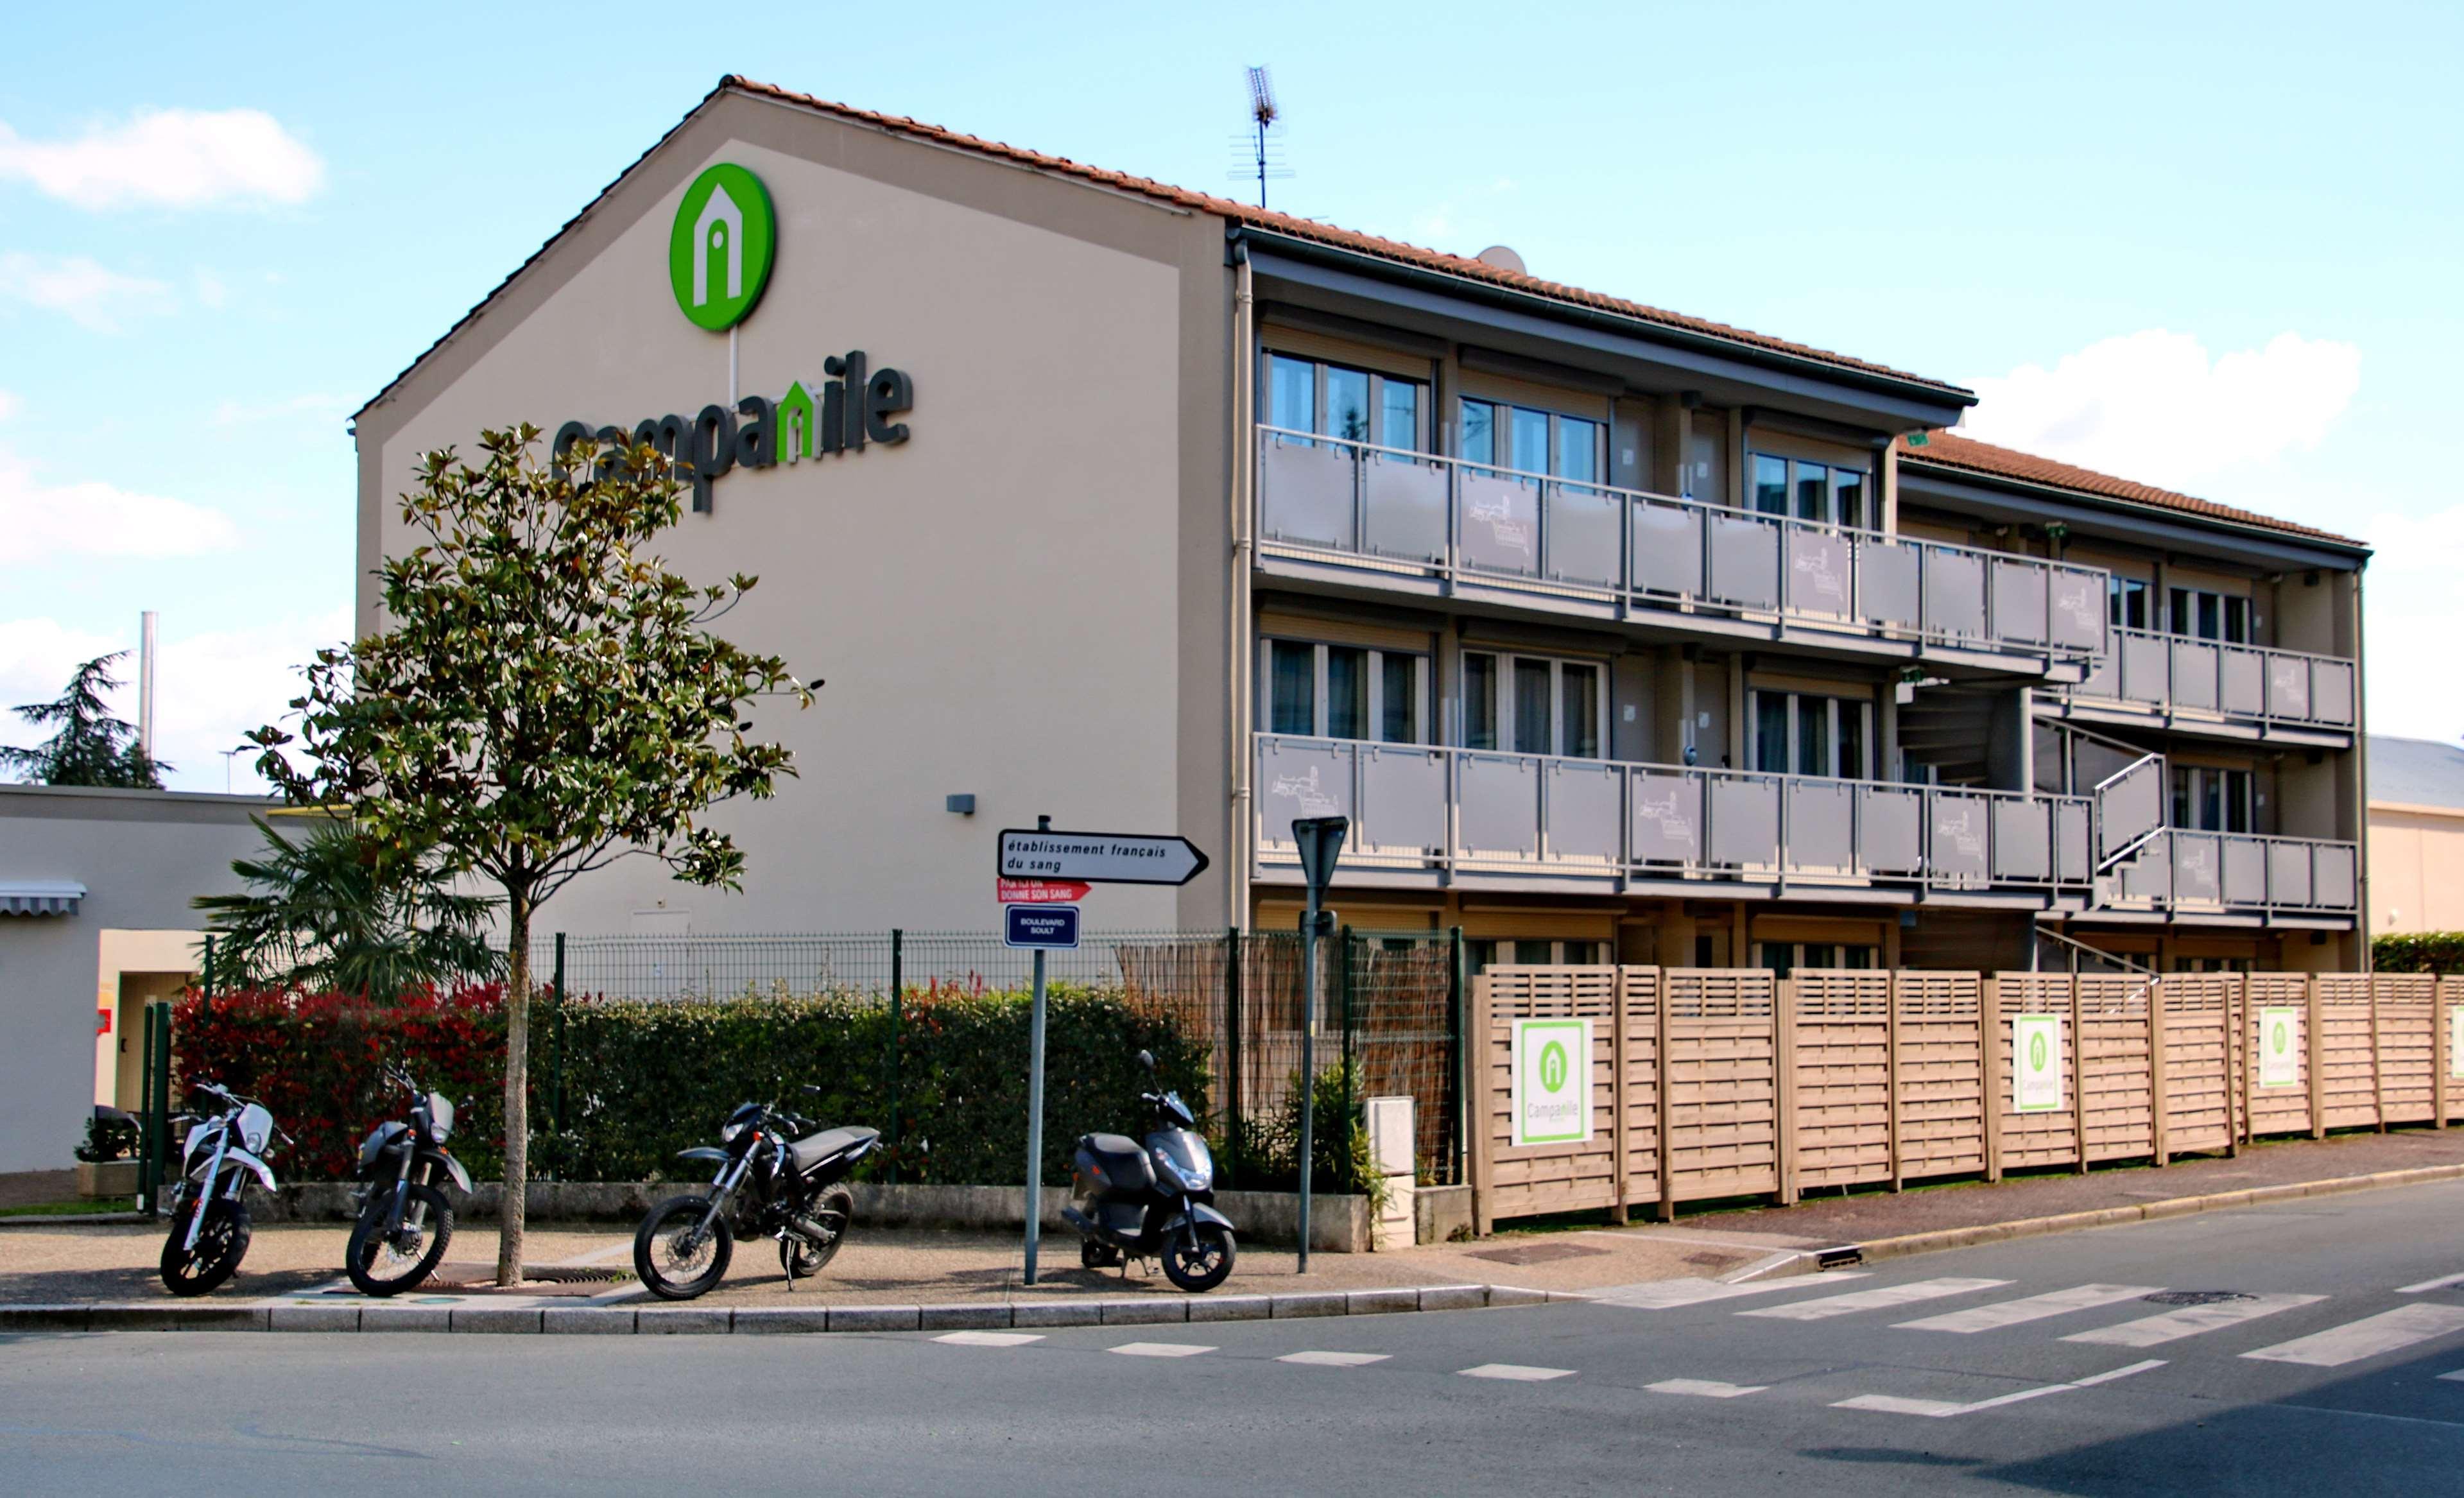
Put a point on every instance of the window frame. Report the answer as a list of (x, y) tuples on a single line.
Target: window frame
[(1421, 445), (1501, 434), (1792, 489), (1373, 707), (1792, 716), (1501, 677)]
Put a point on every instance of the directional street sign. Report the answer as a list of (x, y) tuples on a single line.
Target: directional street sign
[(1098, 857), (1046, 892), (1048, 927)]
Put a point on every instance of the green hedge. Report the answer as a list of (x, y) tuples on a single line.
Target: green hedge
[(2428, 952), (643, 1079)]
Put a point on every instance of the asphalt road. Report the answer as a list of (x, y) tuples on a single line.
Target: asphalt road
[(2044, 1369)]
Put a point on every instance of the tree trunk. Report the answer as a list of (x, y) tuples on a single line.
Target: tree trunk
[(516, 1201)]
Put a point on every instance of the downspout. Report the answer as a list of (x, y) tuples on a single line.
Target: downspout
[(2361, 786), (1244, 453)]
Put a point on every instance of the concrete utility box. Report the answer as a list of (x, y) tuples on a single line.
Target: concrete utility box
[(1390, 1124)]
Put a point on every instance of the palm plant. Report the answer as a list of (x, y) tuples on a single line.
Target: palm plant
[(332, 911)]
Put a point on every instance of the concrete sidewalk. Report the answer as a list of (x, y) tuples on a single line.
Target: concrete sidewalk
[(87, 1264)]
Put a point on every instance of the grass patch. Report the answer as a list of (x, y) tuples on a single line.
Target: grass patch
[(79, 1207)]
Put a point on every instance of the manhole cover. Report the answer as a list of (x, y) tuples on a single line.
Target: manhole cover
[(2195, 1297), (1537, 1253)]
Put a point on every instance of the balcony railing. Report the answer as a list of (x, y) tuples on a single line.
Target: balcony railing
[(1553, 543), (2209, 678), (1475, 816), (2238, 871)]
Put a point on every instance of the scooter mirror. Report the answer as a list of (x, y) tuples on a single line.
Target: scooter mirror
[(1146, 1059)]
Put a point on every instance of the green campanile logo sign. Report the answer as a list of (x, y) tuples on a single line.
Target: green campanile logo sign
[(720, 246)]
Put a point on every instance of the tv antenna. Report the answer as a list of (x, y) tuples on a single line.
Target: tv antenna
[(1263, 138)]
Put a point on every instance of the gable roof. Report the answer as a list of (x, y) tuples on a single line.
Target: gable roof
[(1245, 215), (2416, 772), (1950, 451)]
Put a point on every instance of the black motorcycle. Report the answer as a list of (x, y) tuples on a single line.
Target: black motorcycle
[(405, 1220), (769, 1182), (1152, 1202), (229, 1138)]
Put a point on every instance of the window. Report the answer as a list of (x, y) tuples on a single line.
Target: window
[(2212, 801), (1346, 692), (1530, 441), (1537, 703), (1338, 401), (2201, 614), (1823, 493), (1479, 701), (1801, 733), (2126, 601), (1482, 952), (1784, 957)]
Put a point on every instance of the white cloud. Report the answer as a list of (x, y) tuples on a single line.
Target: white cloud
[(210, 689), (229, 413), (88, 294), (2154, 406), (90, 518), (172, 158)]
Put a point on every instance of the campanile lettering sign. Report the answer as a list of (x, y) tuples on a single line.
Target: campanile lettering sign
[(719, 253)]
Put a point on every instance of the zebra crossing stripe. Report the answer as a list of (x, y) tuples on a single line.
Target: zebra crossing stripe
[(2367, 1337), (1670, 1295), (1158, 1350), (1943, 1409), (1335, 1359), (2192, 1320), (2444, 1282), (1516, 1373), (1706, 1388), (2033, 1308), (990, 1339), (1881, 1299)]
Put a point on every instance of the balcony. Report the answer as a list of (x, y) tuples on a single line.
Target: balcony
[(1427, 817), (2267, 879), (1355, 515), (2235, 690)]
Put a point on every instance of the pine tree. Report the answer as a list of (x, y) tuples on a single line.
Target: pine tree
[(88, 746)]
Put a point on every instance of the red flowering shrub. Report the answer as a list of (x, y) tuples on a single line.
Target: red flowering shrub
[(317, 1062)]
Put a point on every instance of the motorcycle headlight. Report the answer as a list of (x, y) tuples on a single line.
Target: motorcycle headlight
[(440, 1116), (729, 1134)]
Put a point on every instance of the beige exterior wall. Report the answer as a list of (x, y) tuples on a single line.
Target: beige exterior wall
[(1024, 602), (2416, 868)]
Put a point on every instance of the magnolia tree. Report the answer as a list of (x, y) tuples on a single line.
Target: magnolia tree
[(545, 697)]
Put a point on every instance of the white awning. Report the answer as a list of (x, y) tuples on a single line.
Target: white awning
[(39, 897)]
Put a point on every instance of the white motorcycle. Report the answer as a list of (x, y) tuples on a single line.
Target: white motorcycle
[(228, 1141)]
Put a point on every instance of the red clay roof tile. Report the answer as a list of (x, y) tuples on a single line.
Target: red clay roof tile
[(1951, 451)]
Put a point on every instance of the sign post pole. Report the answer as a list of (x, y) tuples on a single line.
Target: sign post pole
[(1035, 1106), (1321, 844), (1040, 875)]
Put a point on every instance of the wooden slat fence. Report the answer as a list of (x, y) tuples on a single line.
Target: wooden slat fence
[(1714, 1083)]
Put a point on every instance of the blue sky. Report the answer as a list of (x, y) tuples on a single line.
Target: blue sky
[(2212, 247)]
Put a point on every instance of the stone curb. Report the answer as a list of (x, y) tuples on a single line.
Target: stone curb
[(759, 1320), (1882, 1248)]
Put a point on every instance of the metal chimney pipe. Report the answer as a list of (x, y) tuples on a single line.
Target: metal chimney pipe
[(145, 686)]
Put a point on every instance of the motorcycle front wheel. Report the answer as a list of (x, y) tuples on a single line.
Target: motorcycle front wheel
[(675, 1257), (801, 1256), (221, 1245), (384, 1264), (1202, 1260)]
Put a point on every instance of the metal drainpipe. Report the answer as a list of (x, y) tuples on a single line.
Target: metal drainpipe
[(1244, 441), (2361, 788)]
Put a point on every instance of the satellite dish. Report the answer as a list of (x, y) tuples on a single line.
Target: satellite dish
[(1501, 257)]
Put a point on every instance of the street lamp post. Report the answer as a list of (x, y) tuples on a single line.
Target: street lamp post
[(1321, 844)]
